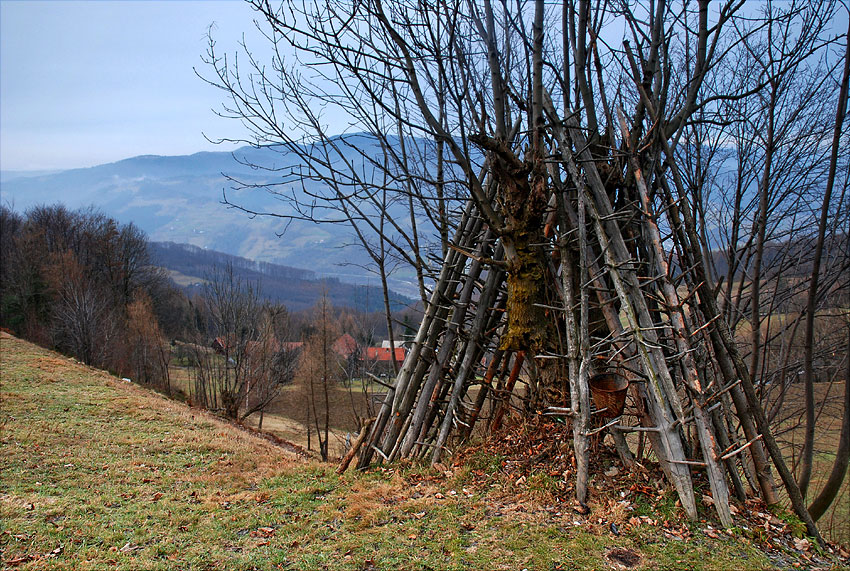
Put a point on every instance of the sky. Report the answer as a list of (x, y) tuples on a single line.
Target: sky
[(86, 83)]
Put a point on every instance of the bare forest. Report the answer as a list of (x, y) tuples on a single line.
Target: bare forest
[(647, 194), (83, 284), (80, 282)]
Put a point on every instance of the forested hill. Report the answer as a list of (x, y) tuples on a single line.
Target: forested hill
[(296, 288), (179, 199)]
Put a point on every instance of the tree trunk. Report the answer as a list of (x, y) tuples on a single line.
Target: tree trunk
[(811, 302), (842, 455)]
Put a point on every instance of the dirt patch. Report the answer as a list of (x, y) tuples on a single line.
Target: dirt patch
[(623, 558)]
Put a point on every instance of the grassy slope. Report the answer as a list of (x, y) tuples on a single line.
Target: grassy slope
[(101, 474)]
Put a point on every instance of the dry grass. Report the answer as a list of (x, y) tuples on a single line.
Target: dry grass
[(101, 474), (835, 523)]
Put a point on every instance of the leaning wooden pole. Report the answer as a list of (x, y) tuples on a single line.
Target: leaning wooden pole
[(355, 446), (716, 475), (665, 407), (744, 413), (427, 399), (729, 347), (468, 363), (428, 332), (580, 362)]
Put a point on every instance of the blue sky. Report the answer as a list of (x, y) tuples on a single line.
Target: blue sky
[(88, 82), (84, 83)]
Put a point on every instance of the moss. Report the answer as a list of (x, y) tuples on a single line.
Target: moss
[(527, 323)]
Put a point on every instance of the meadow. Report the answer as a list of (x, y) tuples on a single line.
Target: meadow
[(99, 473)]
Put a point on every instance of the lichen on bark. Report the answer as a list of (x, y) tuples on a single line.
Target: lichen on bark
[(526, 290)]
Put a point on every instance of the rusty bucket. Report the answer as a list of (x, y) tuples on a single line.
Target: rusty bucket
[(609, 392)]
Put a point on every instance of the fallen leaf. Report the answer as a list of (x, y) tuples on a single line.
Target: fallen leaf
[(263, 532), (128, 548), (57, 551), (673, 535)]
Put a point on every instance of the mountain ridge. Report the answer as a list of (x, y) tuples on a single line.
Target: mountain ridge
[(179, 198)]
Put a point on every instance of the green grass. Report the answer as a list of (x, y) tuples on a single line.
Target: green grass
[(101, 474)]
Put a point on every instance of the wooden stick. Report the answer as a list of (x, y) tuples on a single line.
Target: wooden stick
[(740, 448), (361, 437)]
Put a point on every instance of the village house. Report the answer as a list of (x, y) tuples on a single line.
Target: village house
[(379, 359)]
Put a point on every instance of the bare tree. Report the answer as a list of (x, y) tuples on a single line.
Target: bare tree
[(572, 203), (148, 352), (239, 362), (319, 371), (85, 324)]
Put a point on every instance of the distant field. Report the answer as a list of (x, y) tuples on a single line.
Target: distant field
[(101, 474), (183, 280), (286, 415), (835, 523)]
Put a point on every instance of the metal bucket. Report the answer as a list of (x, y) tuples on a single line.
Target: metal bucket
[(609, 392)]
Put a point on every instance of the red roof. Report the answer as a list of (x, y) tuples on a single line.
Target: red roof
[(382, 354)]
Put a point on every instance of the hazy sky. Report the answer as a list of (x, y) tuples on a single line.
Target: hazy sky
[(88, 82), (84, 83)]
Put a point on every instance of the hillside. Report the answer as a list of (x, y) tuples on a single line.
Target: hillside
[(179, 199), (99, 473), (296, 288)]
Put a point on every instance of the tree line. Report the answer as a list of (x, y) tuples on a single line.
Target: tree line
[(85, 285)]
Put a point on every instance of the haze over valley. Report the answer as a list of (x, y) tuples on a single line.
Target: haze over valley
[(179, 199)]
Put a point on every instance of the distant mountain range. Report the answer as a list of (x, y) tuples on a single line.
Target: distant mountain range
[(296, 288), (179, 199)]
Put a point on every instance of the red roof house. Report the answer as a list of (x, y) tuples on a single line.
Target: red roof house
[(384, 355)]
